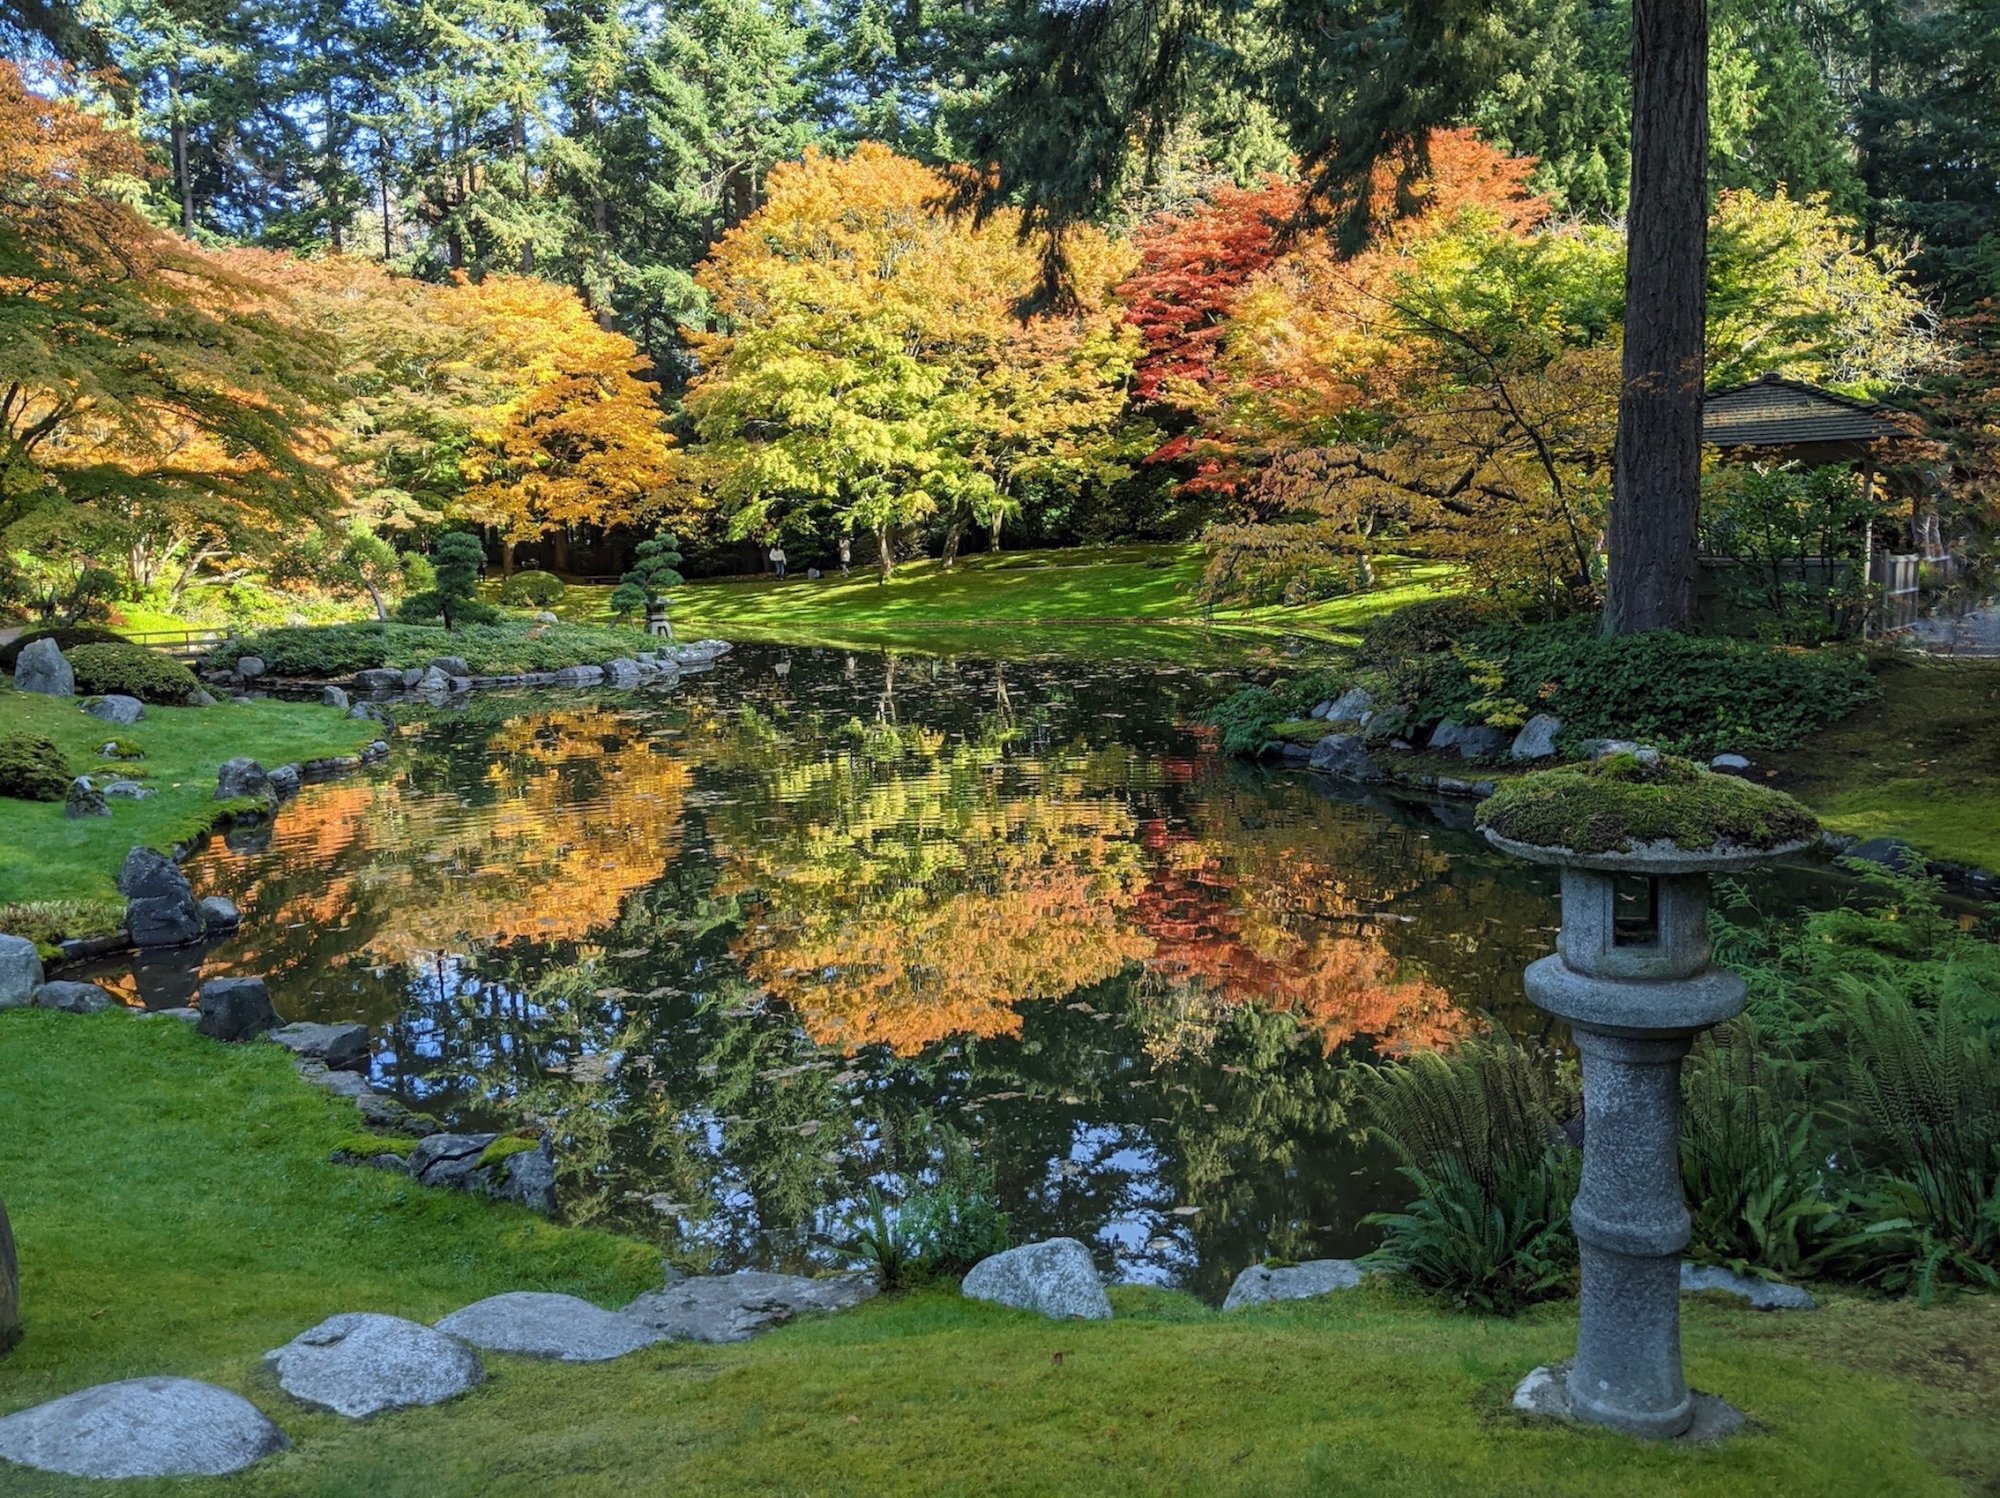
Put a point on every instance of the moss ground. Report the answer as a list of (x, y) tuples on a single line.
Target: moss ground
[(1126, 600), (175, 1215), (1921, 763), (46, 858)]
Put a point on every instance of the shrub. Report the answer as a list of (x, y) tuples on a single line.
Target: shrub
[(132, 671), (32, 769), (1477, 1131), (533, 589), (66, 637), (941, 1228), (338, 650), (1246, 718), (456, 565)]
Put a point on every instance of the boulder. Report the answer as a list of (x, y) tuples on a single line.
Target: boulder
[(164, 920), (240, 777), (285, 781), (1444, 736), (1481, 742), (621, 673), (219, 915), (527, 1178), (378, 750), (536, 1324), (360, 1364), (20, 971), (201, 697), (147, 872), (451, 665), (1537, 739), (115, 708), (1321, 709), (1388, 724), (379, 679), (1759, 1295), (1258, 1285), (75, 998), (1055, 1277), (249, 667), (125, 790), (1595, 749), (1730, 764), (333, 697), (85, 800), (579, 676), (735, 1307), (235, 1008), (1342, 756), (40, 667), (336, 1047), (448, 1159), (142, 1427), (1351, 706), (185, 1016)]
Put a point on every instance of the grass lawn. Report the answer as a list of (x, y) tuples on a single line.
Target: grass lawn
[(45, 857), (1922, 763), (175, 1215), (1104, 599)]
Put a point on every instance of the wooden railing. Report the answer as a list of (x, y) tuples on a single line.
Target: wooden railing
[(181, 644)]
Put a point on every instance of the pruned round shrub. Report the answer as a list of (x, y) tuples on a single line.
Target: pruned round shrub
[(533, 589), (131, 671), (66, 636), (32, 769)]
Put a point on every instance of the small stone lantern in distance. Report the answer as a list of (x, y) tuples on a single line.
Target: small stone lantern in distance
[(1637, 836)]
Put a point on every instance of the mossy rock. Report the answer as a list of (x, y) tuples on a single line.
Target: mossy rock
[(1635, 803), (368, 1146), (508, 1145)]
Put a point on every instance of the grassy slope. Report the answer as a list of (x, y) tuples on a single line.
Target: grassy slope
[(1922, 763), (43, 856), (1120, 599), (174, 1215)]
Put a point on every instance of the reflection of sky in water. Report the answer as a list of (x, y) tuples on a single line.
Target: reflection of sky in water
[(744, 964)]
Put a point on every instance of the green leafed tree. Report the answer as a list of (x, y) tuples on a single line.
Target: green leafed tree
[(452, 595), (655, 573)]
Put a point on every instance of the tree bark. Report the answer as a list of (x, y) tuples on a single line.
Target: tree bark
[(1656, 479), (10, 1285), (507, 556), (953, 534), (885, 557)]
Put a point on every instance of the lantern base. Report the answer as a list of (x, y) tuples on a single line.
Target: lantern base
[(1544, 1395)]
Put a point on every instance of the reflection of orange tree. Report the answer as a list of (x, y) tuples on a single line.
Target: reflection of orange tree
[(910, 901), (584, 809), (1284, 911)]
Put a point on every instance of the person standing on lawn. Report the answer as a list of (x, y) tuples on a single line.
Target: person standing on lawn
[(778, 560), (846, 555)]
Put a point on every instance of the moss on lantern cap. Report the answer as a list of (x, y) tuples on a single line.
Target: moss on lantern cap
[(1627, 802)]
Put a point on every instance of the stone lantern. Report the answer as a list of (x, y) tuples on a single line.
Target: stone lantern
[(1637, 837)]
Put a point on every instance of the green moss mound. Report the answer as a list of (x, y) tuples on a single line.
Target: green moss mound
[(533, 589), (1627, 801), (32, 769), (66, 636), (132, 671)]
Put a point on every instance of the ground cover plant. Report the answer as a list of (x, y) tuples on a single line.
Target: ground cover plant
[(134, 671), (507, 648), (922, 1393), (69, 868)]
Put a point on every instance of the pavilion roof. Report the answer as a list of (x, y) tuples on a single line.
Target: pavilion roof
[(1775, 412)]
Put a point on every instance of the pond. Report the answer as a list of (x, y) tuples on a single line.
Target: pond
[(746, 945)]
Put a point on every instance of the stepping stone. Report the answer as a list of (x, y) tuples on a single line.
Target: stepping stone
[(1258, 1285), (735, 1307), (539, 1325), (336, 1047), (142, 1427), (1761, 1295), (360, 1364), (1057, 1278)]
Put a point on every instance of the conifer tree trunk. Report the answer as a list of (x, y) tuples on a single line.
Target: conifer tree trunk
[(1656, 480), (10, 1285)]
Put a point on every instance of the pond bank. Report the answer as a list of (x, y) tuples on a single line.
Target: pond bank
[(921, 1393)]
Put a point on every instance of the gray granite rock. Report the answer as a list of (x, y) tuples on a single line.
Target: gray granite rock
[(85, 800), (621, 672), (333, 697), (735, 1307), (142, 1427), (1055, 1277), (219, 915), (20, 971), (75, 998), (1730, 764), (201, 697), (1321, 709), (1482, 742), (1759, 1295), (285, 781), (1604, 748), (1444, 736), (1544, 1395), (451, 665), (164, 921), (379, 679), (360, 1364), (336, 1047), (40, 668), (115, 707), (1537, 738), (1351, 706), (1342, 755), (149, 872), (448, 1159), (235, 1008), (124, 790), (579, 676), (1388, 724), (184, 1015), (527, 1178), (240, 777), (249, 667), (1258, 1285), (536, 1324)]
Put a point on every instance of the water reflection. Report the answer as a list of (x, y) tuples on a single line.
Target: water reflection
[(742, 942)]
